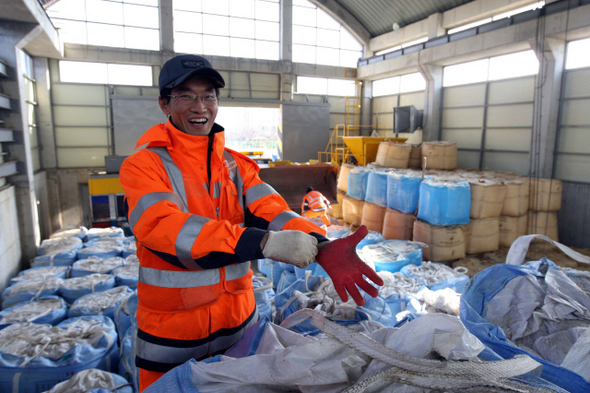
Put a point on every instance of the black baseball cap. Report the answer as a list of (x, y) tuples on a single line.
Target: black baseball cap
[(180, 68)]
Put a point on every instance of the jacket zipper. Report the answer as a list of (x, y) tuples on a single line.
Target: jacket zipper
[(209, 158)]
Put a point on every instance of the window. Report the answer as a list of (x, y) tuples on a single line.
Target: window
[(130, 24), (325, 86), (495, 68), (106, 74), (399, 84), (319, 39), (251, 129), (577, 54), (236, 28)]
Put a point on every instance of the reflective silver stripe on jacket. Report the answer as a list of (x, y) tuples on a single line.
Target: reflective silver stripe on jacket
[(178, 279), (239, 270), (174, 174), (279, 221), (148, 200), (258, 191), (190, 278), (234, 175), (187, 237), (174, 355)]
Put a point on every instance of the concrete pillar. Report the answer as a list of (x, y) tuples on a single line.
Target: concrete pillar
[(367, 106), (433, 99), (14, 36), (435, 26), (286, 40), (546, 112), (166, 28)]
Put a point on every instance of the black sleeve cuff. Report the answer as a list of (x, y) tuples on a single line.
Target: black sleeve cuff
[(248, 247), (320, 238)]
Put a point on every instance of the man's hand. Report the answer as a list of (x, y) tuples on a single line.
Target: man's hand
[(294, 247), (340, 260)]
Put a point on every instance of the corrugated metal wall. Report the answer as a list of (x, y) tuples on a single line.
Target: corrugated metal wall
[(573, 222)]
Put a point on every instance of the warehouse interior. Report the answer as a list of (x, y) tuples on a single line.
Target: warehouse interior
[(507, 81)]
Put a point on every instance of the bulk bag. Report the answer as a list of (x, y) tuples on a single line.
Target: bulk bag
[(35, 357), (352, 210), (415, 156), (287, 278), (398, 289), (373, 216), (439, 155), (103, 251), (393, 155), (444, 203), (319, 293), (263, 292), (94, 381), (125, 314), (126, 275), (508, 306), (104, 232), (127, 368), (482, 235), (64, 258), (100, 303), (130, 248), (377, 188), (403, 190), (347, 360), (543, 223), (372, 237), (26, 290), (57, 245), (95, 264), (398, 225), (40, 272), (391, 255), (47, 309), (342, 184), (131, 260), (357, 182), (516, 202), (74, 288), (487, 198), (444, 243), (336, 210), (437, 276), (511, 228), (315, 268), (105, 240), (545, 194), (70, 231), (270, 269)]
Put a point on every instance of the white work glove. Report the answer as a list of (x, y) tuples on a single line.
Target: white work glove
[(293, 247)]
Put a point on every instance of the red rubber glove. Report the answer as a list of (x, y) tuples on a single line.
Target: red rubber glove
[(340, 260)]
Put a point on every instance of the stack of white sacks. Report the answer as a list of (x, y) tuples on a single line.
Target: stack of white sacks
[(69, 314), (455, 212)]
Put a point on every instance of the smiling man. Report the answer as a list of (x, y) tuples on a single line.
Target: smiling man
[(200, 214)]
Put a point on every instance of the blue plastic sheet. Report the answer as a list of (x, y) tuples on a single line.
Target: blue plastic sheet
[(357, 182), (377, 188), (444, 203), (403, 191)]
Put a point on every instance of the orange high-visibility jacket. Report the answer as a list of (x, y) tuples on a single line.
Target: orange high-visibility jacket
[(199, 212), (315, 201)]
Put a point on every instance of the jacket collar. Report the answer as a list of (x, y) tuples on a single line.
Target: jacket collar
[(159, 135)]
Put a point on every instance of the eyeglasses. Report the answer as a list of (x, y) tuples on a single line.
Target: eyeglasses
[(209, 99)]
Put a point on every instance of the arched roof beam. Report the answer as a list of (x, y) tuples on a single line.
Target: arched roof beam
[(345, 18)]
